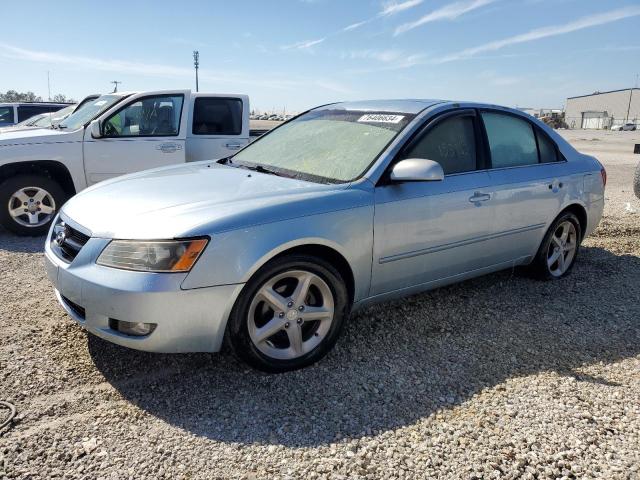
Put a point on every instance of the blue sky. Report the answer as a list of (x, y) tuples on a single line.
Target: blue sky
[(301, 53)]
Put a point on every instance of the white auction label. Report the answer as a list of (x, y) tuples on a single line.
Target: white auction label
[(381, 118)]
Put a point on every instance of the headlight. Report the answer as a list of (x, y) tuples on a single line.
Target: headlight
[(152, 256)]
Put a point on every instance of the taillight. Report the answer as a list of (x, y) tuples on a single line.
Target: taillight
[(603, 172)]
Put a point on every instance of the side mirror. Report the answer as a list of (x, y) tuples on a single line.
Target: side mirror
[(417, 170), (96, 129)]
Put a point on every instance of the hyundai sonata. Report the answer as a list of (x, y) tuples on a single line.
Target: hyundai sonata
[(345, 205)]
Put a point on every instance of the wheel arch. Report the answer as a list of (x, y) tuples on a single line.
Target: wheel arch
[(317, 248), (53, 169), (581, 213)]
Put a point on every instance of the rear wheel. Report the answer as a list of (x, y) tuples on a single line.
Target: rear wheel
[(28, 204), (559, 248), (289, 314)]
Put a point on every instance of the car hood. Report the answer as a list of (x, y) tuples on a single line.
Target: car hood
[(195, 199), (33, 135)]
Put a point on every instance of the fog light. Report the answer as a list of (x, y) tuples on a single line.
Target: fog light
[(136, 329)]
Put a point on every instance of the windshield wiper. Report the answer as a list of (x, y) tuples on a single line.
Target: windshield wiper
[(261, 169), (256, 168)]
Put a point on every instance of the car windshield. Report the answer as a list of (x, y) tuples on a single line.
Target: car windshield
[(328, 145), (89, 111), (31, 120)]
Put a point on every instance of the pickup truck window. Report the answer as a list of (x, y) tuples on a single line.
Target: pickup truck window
[(157, 116), (217, 116), (89, 111), (6, 115)]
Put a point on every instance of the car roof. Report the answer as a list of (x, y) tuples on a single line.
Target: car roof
[(413, 106)]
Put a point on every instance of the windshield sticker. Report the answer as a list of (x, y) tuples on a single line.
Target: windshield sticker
[(381, 118), (100, 103)]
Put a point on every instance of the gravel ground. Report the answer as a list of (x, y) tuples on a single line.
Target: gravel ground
[(498, 377)]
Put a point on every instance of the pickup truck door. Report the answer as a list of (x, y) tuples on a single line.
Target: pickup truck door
[(147, 131), (218, 126)]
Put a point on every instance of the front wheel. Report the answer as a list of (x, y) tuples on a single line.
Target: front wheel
[(559, 248), (289, 315), (28, 204)]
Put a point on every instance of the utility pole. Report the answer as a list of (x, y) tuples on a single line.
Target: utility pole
[(196, 64), (48, 85), (115, 83)]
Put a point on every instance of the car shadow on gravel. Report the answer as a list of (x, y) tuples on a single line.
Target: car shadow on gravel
[(398, 363), (14, 243)]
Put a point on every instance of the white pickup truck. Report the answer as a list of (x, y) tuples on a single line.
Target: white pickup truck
[(115, 134)]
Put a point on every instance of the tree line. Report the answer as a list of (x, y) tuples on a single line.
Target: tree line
[(11, 96)]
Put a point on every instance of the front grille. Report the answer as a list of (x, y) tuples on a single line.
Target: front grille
[(66, 241), (74, 307)]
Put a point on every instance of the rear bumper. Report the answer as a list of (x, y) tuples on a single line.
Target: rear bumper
[(594, 215), (187, 320)]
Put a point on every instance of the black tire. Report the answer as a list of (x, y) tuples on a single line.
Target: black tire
[(539, 268), (238, 329), (636, 181), (11, 185)]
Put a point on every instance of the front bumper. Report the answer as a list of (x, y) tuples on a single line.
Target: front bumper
[(191, 320)]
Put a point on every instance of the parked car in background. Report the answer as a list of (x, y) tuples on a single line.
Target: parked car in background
[(12, 113), (115, 134), (627, 127), (47, 120), (346, 205)]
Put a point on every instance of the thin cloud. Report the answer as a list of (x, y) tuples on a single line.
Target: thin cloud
[(384, 56), (353, 26), (394, 7), (303, 45), (160, 70), (545, 32), (450, 11), (389, 9)]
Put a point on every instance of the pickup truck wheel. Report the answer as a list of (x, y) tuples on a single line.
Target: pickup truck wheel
[(636, 181), (289, 315), (28, 204)]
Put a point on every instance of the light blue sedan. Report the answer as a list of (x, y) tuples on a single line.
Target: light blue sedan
[(343, 206)]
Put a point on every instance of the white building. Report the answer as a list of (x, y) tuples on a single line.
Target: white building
[(602, 110)]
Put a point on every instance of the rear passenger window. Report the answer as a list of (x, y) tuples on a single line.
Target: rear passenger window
[(511, 140), (217, 116), (451, 143), (29, 111), (548, 152)]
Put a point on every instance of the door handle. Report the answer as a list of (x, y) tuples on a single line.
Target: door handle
[(233, 146), (479, 197)]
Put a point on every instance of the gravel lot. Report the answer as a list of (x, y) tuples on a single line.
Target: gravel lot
[(498, 377)]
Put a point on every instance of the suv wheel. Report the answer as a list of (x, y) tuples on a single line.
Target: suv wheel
[(29, 203), (289, 315)]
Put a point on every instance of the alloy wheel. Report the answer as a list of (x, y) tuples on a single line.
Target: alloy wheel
[(562, 248), (291, 314)]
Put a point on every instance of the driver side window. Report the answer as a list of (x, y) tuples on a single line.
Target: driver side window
[(147, 117), (451, 143)]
